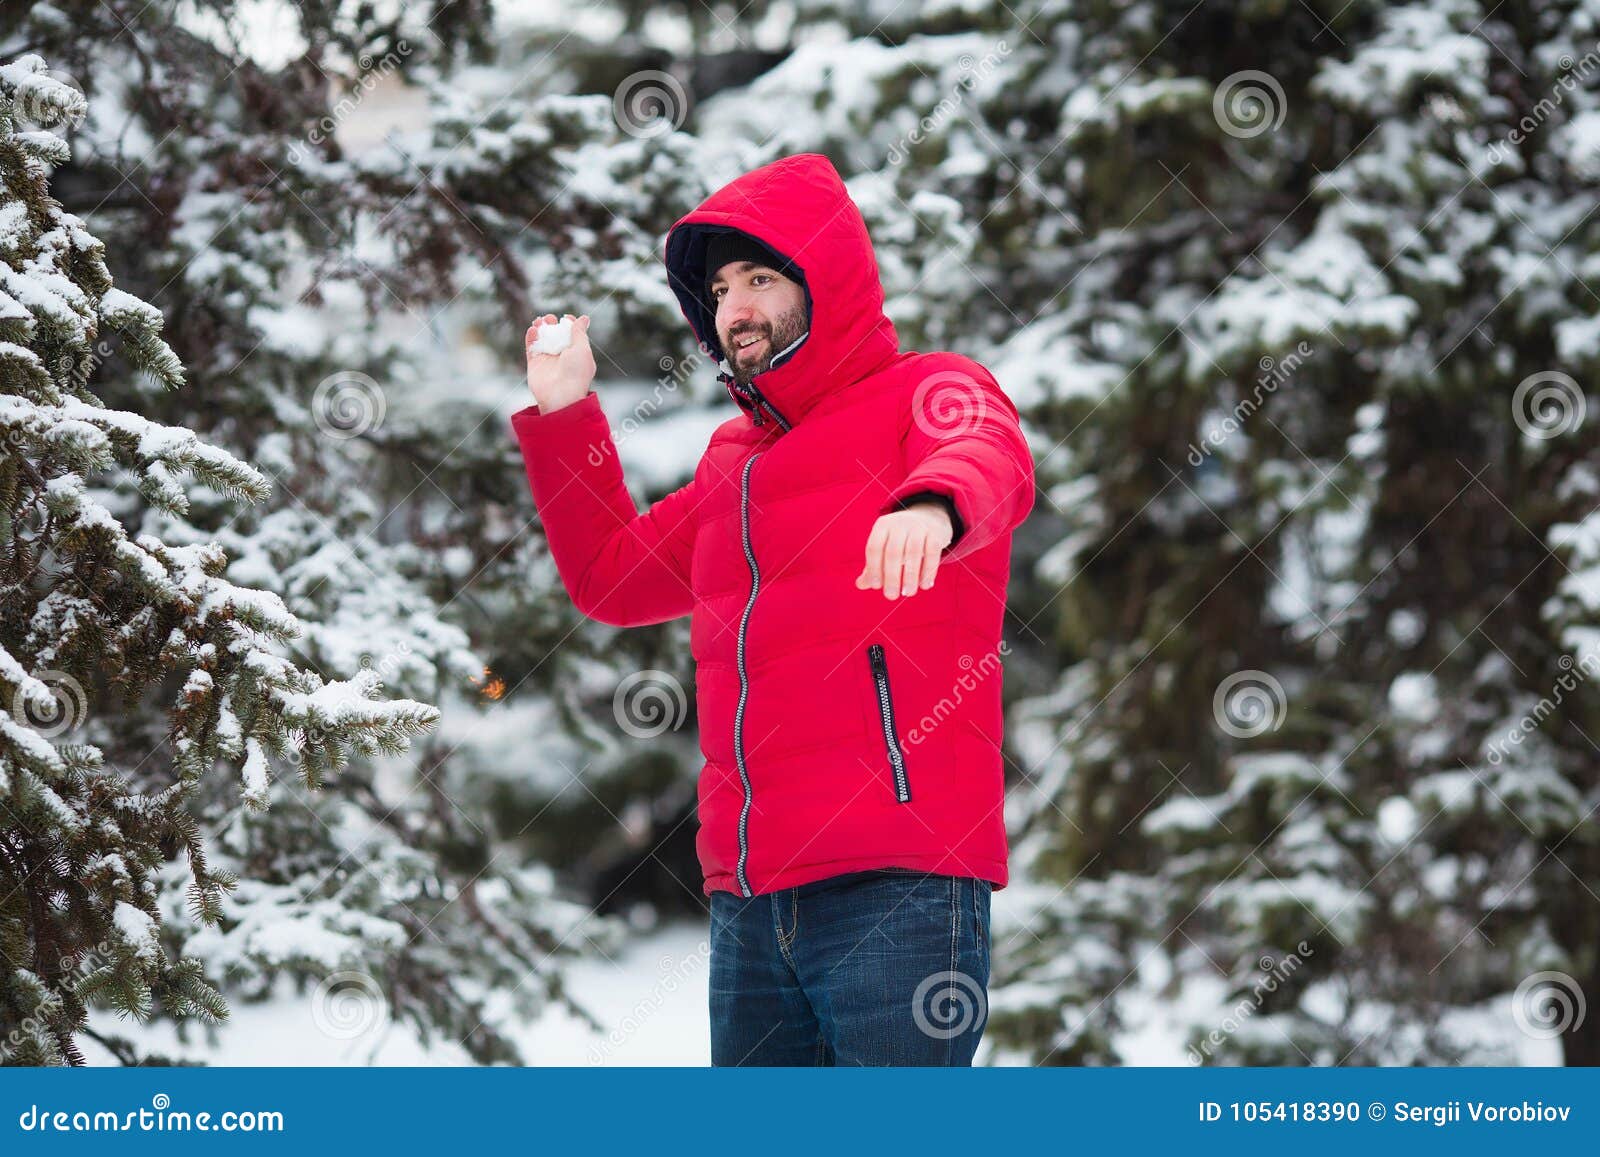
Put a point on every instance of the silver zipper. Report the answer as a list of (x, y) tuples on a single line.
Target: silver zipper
[(744, 680), (880, 676)]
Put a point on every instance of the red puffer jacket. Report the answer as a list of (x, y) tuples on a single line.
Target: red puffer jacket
[(841, 730)]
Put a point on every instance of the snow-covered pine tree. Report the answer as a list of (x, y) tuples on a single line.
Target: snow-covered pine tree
[(1320, 548), (96, 621), (316, 338), (1267, 281)]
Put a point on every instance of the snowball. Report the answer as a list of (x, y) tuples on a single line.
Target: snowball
[(553, 339)]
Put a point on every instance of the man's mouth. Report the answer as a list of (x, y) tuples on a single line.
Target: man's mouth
[(748, 341)]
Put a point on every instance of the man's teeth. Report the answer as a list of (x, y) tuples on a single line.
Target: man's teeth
[(749, 341)]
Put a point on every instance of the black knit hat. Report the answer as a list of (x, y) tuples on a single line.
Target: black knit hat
[(736, 246)]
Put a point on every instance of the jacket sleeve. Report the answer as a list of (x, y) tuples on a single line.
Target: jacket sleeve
[(965, 441), (620, 567), (946, 503)]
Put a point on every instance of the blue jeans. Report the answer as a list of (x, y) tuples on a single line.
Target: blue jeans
[(883, 967)]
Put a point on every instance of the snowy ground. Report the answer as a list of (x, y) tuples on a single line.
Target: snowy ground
[(651, 999)]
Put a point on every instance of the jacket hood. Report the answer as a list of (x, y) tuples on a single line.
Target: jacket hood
[(799, 207)]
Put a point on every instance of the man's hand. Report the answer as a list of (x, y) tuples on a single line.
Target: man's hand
[(559, 379), (903, 549)]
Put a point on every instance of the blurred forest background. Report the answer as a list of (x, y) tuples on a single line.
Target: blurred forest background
[(1299, 299)]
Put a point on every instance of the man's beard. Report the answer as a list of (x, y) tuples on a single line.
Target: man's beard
[(783, 333)]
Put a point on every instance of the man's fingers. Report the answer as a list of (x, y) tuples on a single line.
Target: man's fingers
[(930, 561), (899, 561), (580, 329), (894, 556), (871, 576), (916, 559)]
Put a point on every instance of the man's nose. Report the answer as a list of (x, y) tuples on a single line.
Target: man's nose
[(735, 307)]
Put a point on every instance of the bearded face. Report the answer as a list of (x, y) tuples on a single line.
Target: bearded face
[(759, 312)]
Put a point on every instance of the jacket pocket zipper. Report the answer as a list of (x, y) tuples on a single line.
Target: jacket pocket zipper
[(891, 740)]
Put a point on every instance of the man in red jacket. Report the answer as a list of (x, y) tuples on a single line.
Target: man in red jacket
[(843, 549)]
